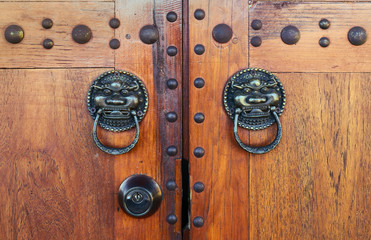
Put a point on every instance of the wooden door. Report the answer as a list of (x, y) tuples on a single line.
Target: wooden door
[(316, 183), (56, 183)]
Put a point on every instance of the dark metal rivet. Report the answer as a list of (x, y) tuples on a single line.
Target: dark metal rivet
[(198, 187), (290, 35), (48, 43), (114, 43), (199, 49), (47, 23), (171, 16), (222, 33), (199, 117), (148, 34), (127, 36), (171, 219), (114, 23), (81, 34), (171, 185), (14, 34), (199, 14), (324, 42), (199, 83), (171, 116), (256, 41), (357, 36), (256, 24), (324, 23), (172, 83), (171, 51), (199, 152), (171, 151), (198, 222)]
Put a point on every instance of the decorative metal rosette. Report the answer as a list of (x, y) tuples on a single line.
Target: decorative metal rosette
[(255, 93), (117, 95)]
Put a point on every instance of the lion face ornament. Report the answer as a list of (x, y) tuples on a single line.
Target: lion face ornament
[(117, 101), (254, 98)]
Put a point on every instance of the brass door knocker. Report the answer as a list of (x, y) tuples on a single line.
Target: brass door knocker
[(254, 98), (117, 101)]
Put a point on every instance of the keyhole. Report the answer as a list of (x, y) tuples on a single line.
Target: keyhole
[(137, 197)]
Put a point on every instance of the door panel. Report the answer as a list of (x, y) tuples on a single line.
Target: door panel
[(55, 182), (307, 55), (316, 184), (65, 53)]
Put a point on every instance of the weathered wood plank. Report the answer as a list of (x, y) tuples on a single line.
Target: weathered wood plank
[(55, 182), (307, 55), (66, 53), (316, 183), (223, 204)]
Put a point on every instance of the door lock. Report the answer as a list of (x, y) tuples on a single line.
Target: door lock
[(254, 98), (139, 196), (117, 101)]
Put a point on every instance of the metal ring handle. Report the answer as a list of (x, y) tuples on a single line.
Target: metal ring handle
[(258, 150), (115, 151)]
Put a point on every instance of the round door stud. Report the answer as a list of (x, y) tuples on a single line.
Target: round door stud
[(222, 33), (290, 35), (139, 196), (14, 34), (357, 36), (81, 34), (148, 34)]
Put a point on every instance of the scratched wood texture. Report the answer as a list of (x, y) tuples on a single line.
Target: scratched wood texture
[(154, 67), (55, 182), (317, 183), (66, 53), (307, 55), (224, 203)]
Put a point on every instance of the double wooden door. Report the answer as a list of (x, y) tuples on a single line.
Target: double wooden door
[(57, 184)]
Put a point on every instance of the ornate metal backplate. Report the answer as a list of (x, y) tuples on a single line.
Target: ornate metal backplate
[(256, 92), (117, 95)]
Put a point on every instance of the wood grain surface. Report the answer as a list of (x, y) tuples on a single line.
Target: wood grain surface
[(66, 52), (307, 55), (55, 182), (317, 183), (224, 203)]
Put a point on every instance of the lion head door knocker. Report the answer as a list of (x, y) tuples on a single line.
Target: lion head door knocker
[(254, 98), (117, 101)]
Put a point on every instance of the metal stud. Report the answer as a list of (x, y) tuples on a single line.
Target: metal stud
[(199, 117), (171, 185), (171, 116), (148, 34), (199, 83), (290, 35), (171, 219), (114, 23), (81, 34), (256, 41), (198, 187), (256, 24), (222, 33), (357, 36), (14, 34), (172, 83), (324, 42), (198, 222), (114, 43), (47, 23), (199, 152), (171, 16), (324, 23), (199, 49), (48, 43), (199, 14), (171, 151), (172, 51)]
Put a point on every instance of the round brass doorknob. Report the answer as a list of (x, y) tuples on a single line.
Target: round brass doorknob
[(139, 196)]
